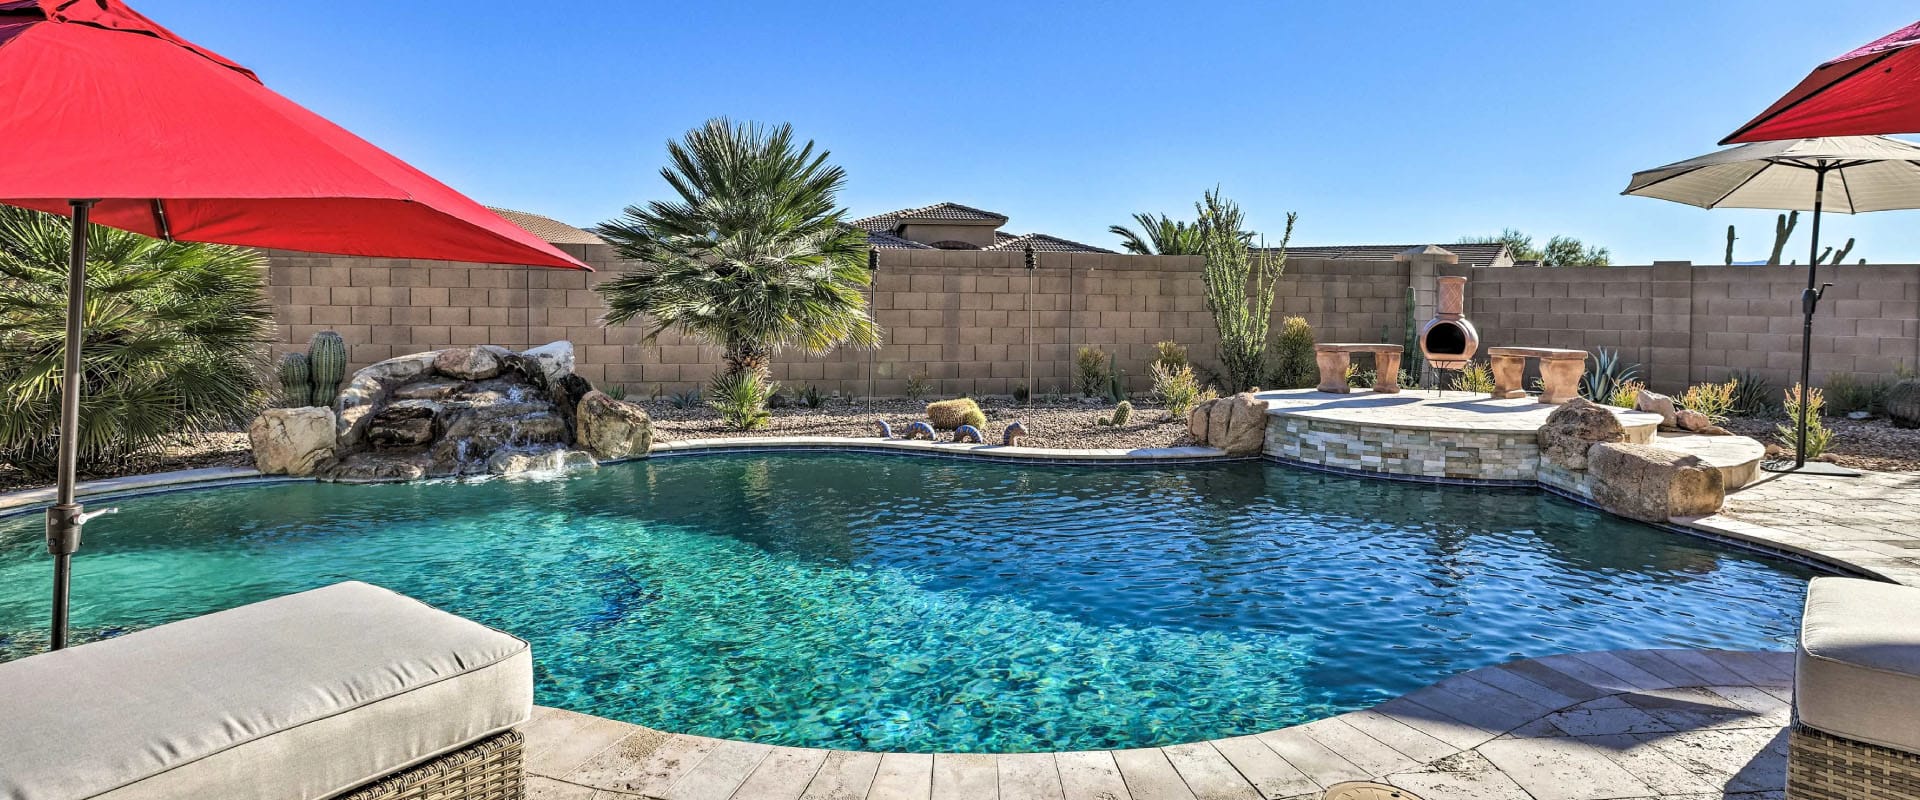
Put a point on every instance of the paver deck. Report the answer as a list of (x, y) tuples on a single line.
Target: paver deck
[(1871, 522), (1669, 724)]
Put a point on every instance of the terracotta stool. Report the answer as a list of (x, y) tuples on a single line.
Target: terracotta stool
[(1334, 358), (1560, 372)]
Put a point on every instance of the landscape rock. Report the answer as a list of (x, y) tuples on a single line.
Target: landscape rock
[(515, 462), (1246, 425), (1651, 484), (368, 389), (468, 363), (292, 441), (378, 468), (405, 423), (1575, 426), (1693, 421), (1219, 419), (1197, 421), (555, 360), (429, 390), (1656, 403), (612, 429)]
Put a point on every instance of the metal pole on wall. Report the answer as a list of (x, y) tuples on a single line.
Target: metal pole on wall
[(1033, 265), (873, 296)]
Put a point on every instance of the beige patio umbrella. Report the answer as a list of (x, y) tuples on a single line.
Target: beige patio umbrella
[(1866, 173)]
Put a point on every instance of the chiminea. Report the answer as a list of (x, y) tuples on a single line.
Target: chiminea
[(1448, 341)]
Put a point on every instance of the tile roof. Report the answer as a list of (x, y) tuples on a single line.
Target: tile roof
[(884, 239), (547, 228), (1476, 255), (938, 212), (1042, 243)]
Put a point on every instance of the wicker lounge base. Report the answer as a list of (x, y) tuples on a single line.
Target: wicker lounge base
[(1822, 766), (491, 769)]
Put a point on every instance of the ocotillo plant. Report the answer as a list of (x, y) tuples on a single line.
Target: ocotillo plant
[(296, 380), (327, 357), (1240, 287)]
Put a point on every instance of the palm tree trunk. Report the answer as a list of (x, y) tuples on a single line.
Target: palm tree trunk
[(743, 356)]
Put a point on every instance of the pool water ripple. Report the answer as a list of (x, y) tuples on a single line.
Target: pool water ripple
[(888, 603)]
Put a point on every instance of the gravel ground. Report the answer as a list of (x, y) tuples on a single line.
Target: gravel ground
[(211, 450), (1860, 444), (1064, 424)]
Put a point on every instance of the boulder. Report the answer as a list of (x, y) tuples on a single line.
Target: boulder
[(1575, 426), (1693, 421), (1219, 418), (1197, 421), (1656, 403), (378, 468), (1246, 424), (468, 363), (368, 389), (404, 423), (613, 429), (515, 462), (429, 390), (292, 441), (1652, 485), (555, 360)]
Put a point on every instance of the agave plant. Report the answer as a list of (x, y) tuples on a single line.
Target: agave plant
[(752, 255), (175, 341), (1609, 374)]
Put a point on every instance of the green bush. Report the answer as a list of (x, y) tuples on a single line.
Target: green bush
[(176, 341), (1293, 364), (1818, 437), (1176, 389), (1903, 403), (741, 398), (1475, 377), (1090, 371), (1171, 355), (918, 386), (1846, 394)]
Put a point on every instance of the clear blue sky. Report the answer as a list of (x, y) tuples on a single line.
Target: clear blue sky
[(1378, 123)]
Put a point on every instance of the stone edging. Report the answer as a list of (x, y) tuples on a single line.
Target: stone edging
[(26, 500)]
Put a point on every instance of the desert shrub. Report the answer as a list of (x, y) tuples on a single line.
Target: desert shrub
[(616, 391), (685, 400), (1626, 395), (812, 397), (1176, 389), (1293, 364), (1712, 399), (949, 414), (1752, 394), (742, 397), (918, 386), (1090, 371), (175, 344), (1021, 393), (1818, 437), (1358, 378), (1171, 355), (1903, 403), (1476, 376), (1601, 382), (1846, 394)]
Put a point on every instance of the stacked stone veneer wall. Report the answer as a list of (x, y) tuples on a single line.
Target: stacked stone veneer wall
[(1409, 452), (960, 317)]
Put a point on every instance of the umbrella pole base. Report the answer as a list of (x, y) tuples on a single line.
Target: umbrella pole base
[(1821, 469)]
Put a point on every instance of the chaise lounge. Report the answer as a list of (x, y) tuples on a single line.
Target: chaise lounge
[(1856, 731), (349, 691)]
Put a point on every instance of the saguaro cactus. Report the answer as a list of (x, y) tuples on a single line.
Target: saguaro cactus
[(327, 356), (1730, 238), (296, 380), (1782, 231)]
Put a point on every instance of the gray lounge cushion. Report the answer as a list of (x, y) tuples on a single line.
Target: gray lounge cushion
[(1857, 673), (304, 696)]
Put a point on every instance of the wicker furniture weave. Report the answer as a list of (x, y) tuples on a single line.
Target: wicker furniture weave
[(491, 769), (1822, 766)]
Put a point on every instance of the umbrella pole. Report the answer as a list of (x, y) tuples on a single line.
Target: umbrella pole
[(1809, 300), (65, 517)]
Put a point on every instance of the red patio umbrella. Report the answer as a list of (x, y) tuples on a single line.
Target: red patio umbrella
[(1872, 90), (112, 119)]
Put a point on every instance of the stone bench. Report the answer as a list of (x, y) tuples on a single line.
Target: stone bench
[(1560, 372), (1333, 360), (346, 689), (1856, 695)]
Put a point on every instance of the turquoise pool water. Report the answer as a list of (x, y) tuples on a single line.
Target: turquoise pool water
[(899, 603)]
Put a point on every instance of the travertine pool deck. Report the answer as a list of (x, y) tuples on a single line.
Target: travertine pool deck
[(1678, 724), (1425, 409)]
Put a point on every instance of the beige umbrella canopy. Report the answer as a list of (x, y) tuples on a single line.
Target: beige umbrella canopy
[(1860, 173)]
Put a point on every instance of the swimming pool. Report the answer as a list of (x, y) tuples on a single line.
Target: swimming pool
[(901, 603)]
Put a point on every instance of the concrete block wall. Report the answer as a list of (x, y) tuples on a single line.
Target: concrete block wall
[(960, 317)]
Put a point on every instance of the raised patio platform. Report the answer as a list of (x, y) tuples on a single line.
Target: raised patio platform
[(1420, 434), (1691, 724)]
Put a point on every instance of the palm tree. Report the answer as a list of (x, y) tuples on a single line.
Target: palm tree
[(176, 341), (752, 256), (1165, 236)]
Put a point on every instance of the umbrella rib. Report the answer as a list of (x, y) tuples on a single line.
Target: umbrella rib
[(1765, 118), (1846, 188), (1741, 185)]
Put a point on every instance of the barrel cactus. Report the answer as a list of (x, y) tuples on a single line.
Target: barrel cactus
[(327, 357), (1903, 403), (1121, 414), (296, 380)]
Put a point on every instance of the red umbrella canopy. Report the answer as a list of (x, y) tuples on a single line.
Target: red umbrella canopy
[(174, 140), (1872, 90)]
